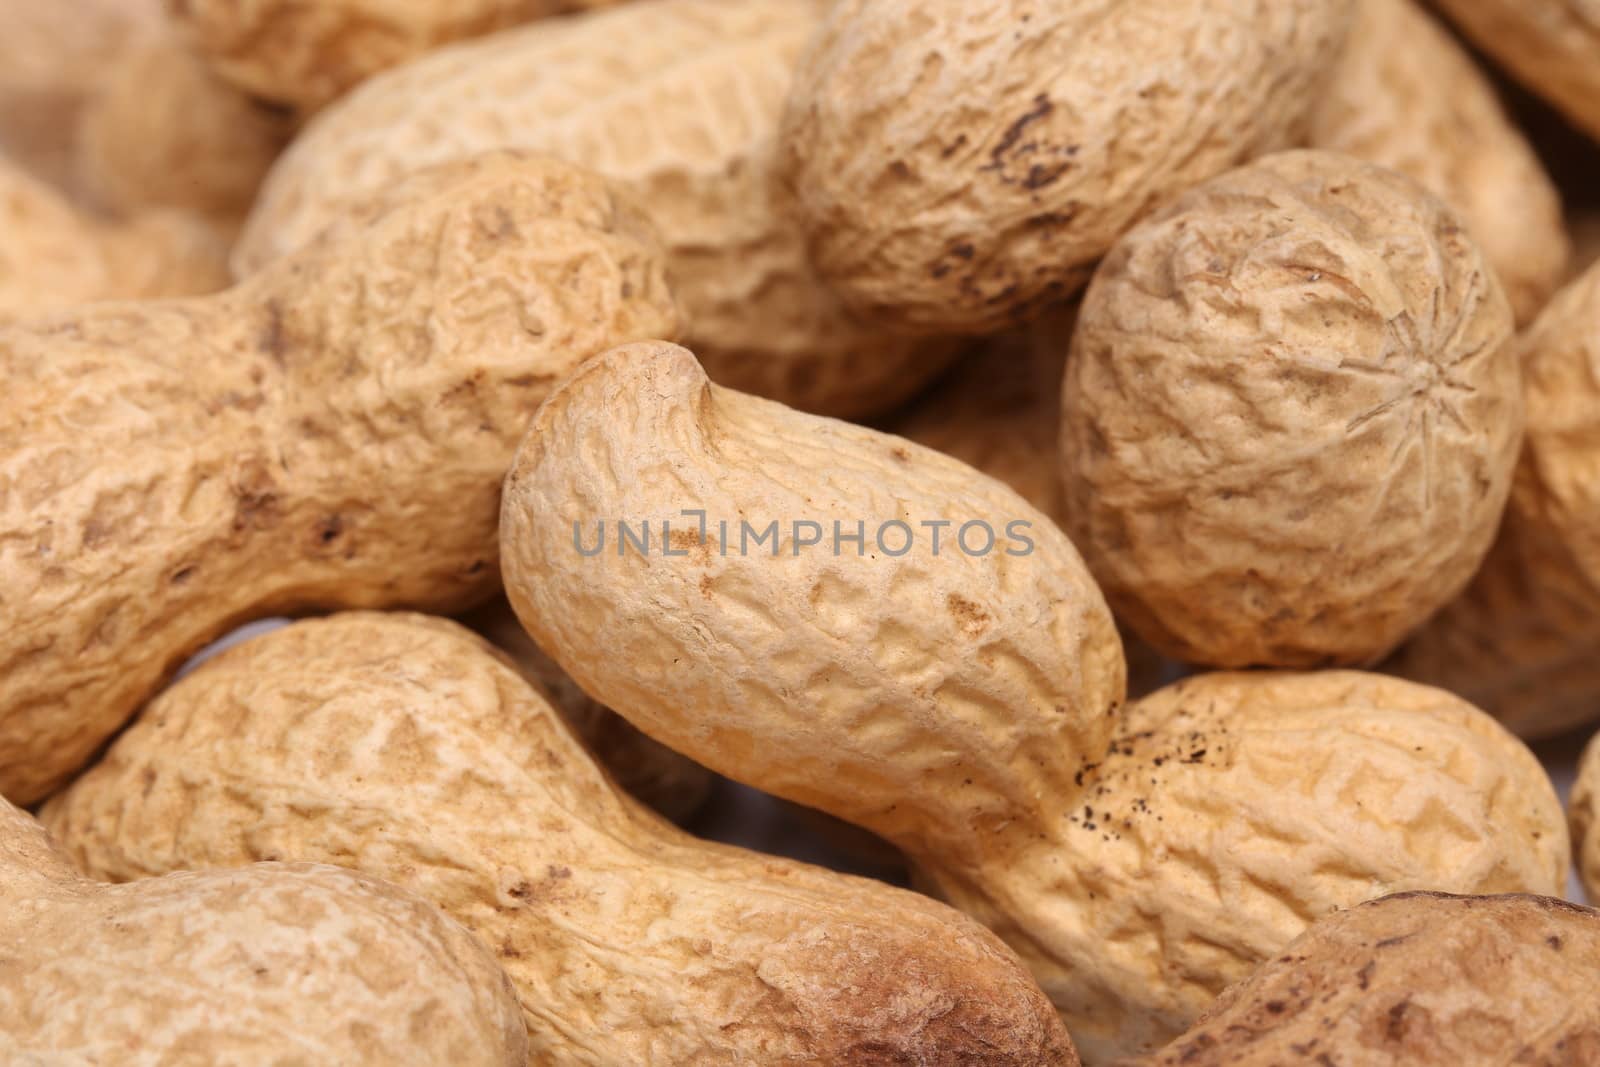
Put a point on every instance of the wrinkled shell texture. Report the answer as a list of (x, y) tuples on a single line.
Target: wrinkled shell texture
[(54, 256), (931, 699), (960, 161), (1586, 821), (273, 966), (672, 784), (1233, 810), (1523, 641), (1408, 97), (162, 131), (405, 747), (52, 57), (706, 79), (1553, 46), (269, 440), (305, 54), (1291, 416), (1415, 980), (999, 411)]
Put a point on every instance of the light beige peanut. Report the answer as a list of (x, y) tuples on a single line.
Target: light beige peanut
[(266, 966), (55, 256), (960, 162), (1291, 415), (1552, 46), (332, 432), (405, 747), (958, 705), (1408, 97), (892, 672), (677, 99), (672, 784), (1414, 980), (53, 56), (1523, 641), (305, 54), (999, 411), (1585, 815), (162, 131)]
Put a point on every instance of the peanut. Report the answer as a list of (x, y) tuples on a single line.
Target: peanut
[(404, 747), (958, 705), (1408, 97), (960, 162), (53, 55), (1415, 980), (1585, 816), (269, 965), (170, 469), (707, 79), (673, 785), (1552, 46), (1523, 641), (54, 256), (162, 131), (304, 55), (1291, 416)]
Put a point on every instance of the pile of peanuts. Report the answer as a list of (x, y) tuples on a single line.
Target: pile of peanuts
[(1123, 467)]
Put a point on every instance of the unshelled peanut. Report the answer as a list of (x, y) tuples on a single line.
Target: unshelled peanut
[(962, 705), (679, 100), (1523, 641), (265, 966), (405, 747), (959, 162), (332, 432), (1552, 46), (1407, 96), (1415, 980), (672, 784), (54, 256), (1291, 415), (304, 55)]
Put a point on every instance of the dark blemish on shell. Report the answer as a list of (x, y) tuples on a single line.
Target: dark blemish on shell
[(273, 340), (1041, 108)]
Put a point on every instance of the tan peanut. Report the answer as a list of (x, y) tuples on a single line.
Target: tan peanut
[(162, 131), (1552, 46), (960, 162), (303, 55), (679, 100), (1408, 97), (957, 705), (1414, 980), (999, 410), (331, 432), (889, 671), (1523, 641), (404, 747), (53, 56), (55, 256), (1585, 815), (262, 967), (672, 784), (1291, 416)]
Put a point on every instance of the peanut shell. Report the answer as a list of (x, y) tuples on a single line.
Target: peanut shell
[(1291, 416), (332, 432)]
